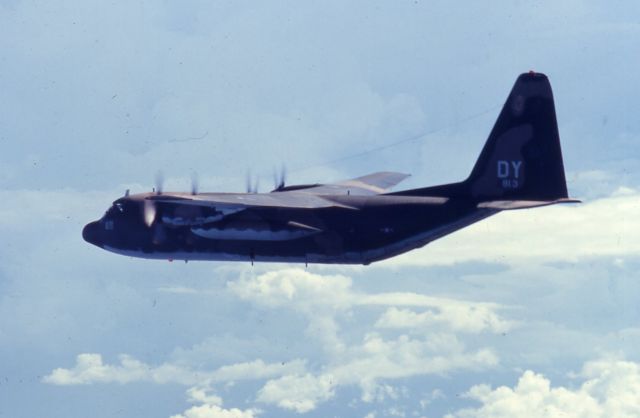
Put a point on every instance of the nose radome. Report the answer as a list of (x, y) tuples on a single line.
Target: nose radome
[(91, 233)]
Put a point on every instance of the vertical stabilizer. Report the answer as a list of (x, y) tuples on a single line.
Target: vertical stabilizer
[(521, 159)]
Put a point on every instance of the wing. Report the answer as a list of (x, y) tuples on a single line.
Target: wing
[(371, 184), (241, 201), (222, 205)]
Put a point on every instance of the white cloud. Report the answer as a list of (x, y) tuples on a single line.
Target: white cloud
[(374, 360), (611, 389), (211, 406), (378, 358), (215, 411), (200, 394), (319, 295), (300, 393), (90, 368), (467, 318), (256, 369), (295, 287), (326, 299), (562, 232)]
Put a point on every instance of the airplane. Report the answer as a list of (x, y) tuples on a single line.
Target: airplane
[(356, 221)]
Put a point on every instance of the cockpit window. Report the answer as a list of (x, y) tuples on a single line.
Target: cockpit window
[(119, 207)]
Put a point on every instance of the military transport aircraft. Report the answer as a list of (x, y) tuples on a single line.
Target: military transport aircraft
[(354, 221)]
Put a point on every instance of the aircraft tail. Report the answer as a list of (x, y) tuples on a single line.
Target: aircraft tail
[(521, 160), (522, 157)]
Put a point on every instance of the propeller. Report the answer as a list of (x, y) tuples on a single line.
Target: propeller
[(149, 212), (279, 178), (149, 208), (159, 182), (252, 186), (194, 183)]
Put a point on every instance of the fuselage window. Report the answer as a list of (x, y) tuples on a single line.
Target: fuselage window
[(108, 225)]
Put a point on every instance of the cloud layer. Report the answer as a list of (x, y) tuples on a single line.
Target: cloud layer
[(610, 388)]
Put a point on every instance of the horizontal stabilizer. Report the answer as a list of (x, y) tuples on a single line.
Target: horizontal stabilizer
[(369, 185), (522, 204), (378, 182)]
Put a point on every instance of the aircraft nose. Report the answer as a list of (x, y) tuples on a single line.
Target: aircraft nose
[(91, 233)]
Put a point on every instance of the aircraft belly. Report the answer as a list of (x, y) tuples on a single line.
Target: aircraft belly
[(346, 258)]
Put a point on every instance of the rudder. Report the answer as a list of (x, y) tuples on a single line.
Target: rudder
[(522, 159)]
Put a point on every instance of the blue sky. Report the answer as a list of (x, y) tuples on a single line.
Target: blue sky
[(530, 313)]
